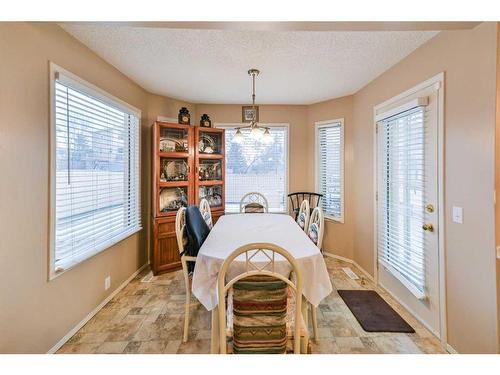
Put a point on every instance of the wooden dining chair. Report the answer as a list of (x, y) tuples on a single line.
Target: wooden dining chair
[(259, 302), (180, 232), (315, 232), (254, 203), (303, 217), (206, 213)]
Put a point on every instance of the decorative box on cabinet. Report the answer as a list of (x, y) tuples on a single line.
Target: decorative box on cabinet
[(187, 165)]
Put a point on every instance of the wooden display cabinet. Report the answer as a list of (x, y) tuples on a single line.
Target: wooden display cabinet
[(187, 165)]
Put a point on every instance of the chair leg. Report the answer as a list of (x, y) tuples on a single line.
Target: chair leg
[(314, 322), (188, 301), (186, 316)]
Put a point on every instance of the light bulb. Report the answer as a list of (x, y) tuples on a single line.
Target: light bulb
[(267, 137), (256, 133), (238, 137)]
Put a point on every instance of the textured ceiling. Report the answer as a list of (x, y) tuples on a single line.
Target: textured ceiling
[(210, 66)]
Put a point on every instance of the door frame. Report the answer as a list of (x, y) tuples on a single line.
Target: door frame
[(438, 82)]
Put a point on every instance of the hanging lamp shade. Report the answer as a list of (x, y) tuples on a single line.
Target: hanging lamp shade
[(238, 137), (258, 133)]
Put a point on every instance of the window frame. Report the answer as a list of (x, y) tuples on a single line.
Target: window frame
[(96, 92), (324, 124), (287, 155)]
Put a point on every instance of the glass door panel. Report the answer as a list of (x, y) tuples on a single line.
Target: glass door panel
[(210, 142), (173, 140), (173, 169), (210, 170), (212, 193)]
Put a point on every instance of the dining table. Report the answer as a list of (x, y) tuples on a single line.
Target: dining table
[(234, 230)]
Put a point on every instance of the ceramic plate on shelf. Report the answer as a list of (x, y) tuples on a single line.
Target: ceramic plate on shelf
[(206, 144)]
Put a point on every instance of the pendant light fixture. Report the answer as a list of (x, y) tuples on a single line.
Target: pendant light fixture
[(257, 132)]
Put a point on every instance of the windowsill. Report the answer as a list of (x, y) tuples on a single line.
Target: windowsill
[(85, 257), (335, 219)]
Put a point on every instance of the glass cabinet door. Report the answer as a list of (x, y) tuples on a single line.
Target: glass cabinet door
[(209, 174), (173, 168)]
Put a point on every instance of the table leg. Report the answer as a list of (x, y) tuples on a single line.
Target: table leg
[(214, 338)]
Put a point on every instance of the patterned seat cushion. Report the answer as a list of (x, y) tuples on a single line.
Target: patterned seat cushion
[(208, 218), (259, 315), (301, 220), (313, 233), (254, 208)]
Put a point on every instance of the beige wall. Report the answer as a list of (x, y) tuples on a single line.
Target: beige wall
[(468, 59), (338, 238), (34, 313), (497, 177)]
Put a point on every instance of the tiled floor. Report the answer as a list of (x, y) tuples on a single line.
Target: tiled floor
[(147, 317)]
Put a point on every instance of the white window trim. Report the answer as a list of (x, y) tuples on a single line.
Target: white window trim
[(89, 88), (317, 126), (402, 101), (229, 125)]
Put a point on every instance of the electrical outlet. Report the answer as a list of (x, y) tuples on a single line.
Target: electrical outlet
[(107, 283)]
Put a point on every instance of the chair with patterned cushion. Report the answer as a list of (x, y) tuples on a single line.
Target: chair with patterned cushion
[(303, 216), (296, 199), (254, 203), (258, 303), (180, 232), (315, 233), (206, 213), (316, 227)]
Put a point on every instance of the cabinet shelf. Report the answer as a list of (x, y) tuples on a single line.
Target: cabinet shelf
[(174, 155), (210, 156), (173, 183), (210, 182)]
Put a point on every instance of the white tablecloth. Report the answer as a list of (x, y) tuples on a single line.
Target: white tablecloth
[(233, 231)]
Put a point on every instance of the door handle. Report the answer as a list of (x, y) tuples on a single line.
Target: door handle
[(428, 227)]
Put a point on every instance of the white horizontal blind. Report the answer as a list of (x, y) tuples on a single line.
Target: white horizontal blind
[(401, 196), (97, 201), (330, 168), (256, 166)]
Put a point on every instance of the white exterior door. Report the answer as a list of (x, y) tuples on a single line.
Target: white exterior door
[(408, 204)]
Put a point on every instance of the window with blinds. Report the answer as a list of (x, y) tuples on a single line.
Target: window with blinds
[(257, 166), (401, 177), (330, 168), (95, 172)]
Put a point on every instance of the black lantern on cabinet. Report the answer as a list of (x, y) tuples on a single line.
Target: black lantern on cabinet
[(184, 116), (205, 121)]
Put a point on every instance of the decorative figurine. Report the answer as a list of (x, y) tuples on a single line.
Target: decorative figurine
[(205, 121), (184, 116)]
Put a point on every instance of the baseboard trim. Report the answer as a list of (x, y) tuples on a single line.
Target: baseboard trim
[(75, 329), (347, 260), (450, 349)]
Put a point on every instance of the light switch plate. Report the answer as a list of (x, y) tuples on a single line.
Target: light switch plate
[(457, 214)]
